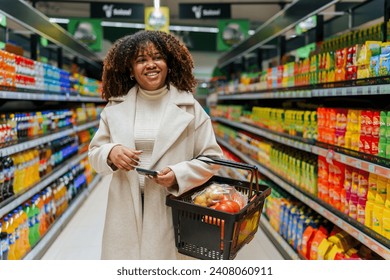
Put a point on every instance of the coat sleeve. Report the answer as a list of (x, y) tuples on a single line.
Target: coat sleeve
[(193, 173), (100, 147)]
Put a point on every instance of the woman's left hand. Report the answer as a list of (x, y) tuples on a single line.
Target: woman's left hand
[(165, 178)]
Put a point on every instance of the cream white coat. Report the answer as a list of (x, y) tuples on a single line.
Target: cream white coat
[(185, 132)]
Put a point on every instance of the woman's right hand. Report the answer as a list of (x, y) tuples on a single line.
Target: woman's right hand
[(124, 158)]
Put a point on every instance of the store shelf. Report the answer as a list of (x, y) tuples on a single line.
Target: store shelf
[(267, 134), (86, 126), (266, 95), (352, 161), (280, 243), (13, 149), (327, 153), (14, 202), (332, 90), (352, 91), (38, 251), (20, 95), (370, 242)]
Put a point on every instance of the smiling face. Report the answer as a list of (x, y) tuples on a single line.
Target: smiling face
[(149, 68)]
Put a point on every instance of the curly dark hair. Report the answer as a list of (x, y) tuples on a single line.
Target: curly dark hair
[(117, 63)]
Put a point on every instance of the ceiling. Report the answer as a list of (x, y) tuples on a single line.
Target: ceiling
[(257, 11)]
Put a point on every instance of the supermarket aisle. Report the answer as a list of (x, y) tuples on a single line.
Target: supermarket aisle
[(81, 238)]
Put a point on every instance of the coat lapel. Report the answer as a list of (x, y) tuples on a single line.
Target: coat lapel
[(123, 115), (173, 123)]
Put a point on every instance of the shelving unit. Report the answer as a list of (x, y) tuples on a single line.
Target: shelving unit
[(312, 148), (375, 89), (18, 95), (39, 250), (24, 16), (369, 238)]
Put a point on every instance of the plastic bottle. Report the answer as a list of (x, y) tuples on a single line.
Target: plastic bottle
[(36, 214), (4, 246), (8, 228), (2, 189), (9, 173), (24, 243), (18, 251)]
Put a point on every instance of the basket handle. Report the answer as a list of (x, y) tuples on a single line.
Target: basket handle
[(234, 164)]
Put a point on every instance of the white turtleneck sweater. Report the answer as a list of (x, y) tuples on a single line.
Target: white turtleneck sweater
[(150, 108)]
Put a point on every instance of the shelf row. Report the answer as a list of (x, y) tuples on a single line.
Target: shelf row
[(311, 148), (324, 210), (14, 202), (9, 150), (38, 251), (310, 93), (18, 95)]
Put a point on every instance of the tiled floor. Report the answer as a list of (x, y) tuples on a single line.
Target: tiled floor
[(81, 238)]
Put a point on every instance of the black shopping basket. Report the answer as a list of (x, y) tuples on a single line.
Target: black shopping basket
[(206, 233)]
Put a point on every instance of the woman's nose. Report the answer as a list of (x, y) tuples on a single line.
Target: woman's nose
[(150, 64)]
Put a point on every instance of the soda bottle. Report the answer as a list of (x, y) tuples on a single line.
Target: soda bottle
[(35, 217), (9, 171), (31, 221)]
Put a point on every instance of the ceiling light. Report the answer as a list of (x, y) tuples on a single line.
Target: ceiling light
[(142, 26)]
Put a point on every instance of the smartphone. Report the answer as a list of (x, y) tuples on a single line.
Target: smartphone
[(143, 171)]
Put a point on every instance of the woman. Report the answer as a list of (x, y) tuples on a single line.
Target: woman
[(151, 121)]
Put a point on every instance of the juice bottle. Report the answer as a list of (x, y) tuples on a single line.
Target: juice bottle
[(25, 245), (9, 228), (4, 239), (42, 216), (18, 241)]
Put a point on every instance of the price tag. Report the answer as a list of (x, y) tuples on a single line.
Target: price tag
[(344, 91), (330, 156), (333, 92), (374, 89), (339, 222), (371, 168), (354, 91), (358, 164), (382, 89), (343, 159), (365, 90)]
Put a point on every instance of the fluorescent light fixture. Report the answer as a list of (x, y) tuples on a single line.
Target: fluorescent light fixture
[(142, 26), (194, 28), (123, 24), (59, 20)]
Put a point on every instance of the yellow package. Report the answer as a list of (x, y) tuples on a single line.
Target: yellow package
[(377, 218), (332, 252), (323, 249), (386, 223), (372, 186), (381, 194), (368, 213), (387, 202)]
